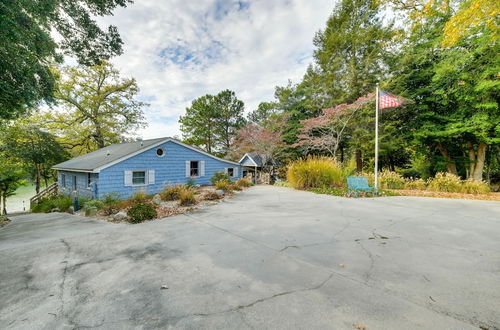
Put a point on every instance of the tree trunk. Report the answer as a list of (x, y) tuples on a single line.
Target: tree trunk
[(450, 163), (476, 159), (37, 178), (341, 154), (359, 161)]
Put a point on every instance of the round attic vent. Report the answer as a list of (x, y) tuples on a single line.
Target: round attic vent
[(160, 152)]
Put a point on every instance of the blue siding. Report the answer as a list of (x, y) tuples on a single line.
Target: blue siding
[(82, 186), (169, 170)]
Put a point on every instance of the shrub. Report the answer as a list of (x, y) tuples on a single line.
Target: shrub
[(110, 209), (390, 180), (141, 212), (186, 197), (475, 187), (418, 184), (445, 182), (98, 204), (315, 172), (243, 182), (172, 193), (111, 199), (139, 197), (223, 185), (211, 196), (47, 204), (190, 183), (220, 176)]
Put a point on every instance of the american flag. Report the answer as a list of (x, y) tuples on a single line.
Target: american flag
[(387, 100)]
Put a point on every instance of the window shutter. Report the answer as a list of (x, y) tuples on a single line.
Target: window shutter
[(202, 168), (128, 178), (225, 170), (151, 176), (235, 172), (188, 169)]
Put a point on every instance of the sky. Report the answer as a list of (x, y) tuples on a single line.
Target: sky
[(179, 50)]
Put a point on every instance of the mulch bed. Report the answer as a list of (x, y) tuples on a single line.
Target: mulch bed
[(3, 221), (493, 196)]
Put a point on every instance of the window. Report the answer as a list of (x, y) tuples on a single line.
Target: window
[(139, 177), (63, 180), (194, 168), (88, 179), (74, 182), (230, 171), (160, 152)]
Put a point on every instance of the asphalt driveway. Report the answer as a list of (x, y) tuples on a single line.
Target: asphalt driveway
[(268, 258)]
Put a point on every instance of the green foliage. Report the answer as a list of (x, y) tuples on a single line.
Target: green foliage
[(212, 120), (97, 108), (315, 172), (141, 212), (186, 197), (220, 176), (47, 204), (28, 31), (172, 193), (97, 203), (111, 198)]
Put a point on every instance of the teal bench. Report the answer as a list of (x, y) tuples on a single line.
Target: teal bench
[(358, 184)]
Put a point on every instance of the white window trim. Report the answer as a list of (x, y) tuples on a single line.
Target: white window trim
[(199, 169)]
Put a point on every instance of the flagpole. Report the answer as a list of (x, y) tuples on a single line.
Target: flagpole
[(376, 135)]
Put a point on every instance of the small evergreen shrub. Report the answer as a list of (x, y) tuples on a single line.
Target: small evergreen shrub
[(445, 182), (190, 183), (187, 197), (141, 212), (243, 182), (390, 180), (315, 172), (220, 176), (172, 193), (223, 185)]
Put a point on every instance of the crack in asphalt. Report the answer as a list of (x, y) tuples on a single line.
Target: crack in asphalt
[(434, 308), (368, 273), (64, 274)]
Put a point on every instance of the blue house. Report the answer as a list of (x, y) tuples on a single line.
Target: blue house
[(149, 165)]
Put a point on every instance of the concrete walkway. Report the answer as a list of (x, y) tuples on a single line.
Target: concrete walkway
[(268, 258)]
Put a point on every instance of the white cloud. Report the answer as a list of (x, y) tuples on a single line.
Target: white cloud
[(179, 50)]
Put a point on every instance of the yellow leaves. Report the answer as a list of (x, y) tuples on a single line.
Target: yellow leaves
[(475, 13)]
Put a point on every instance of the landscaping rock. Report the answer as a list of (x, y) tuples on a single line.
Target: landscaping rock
[(157, 199), (71, 210), (90, 211), (120, 216), (220, 192), (55, 209)]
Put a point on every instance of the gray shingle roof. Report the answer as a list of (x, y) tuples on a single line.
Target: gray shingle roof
[(101, 157), (260, 159)]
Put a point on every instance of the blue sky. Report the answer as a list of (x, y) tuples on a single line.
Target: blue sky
[(179, 50)]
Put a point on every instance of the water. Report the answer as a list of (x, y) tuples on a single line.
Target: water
[(15, 202)]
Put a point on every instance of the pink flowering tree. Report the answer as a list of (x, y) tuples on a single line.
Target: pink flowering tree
[(325, 132), (255, 138)]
